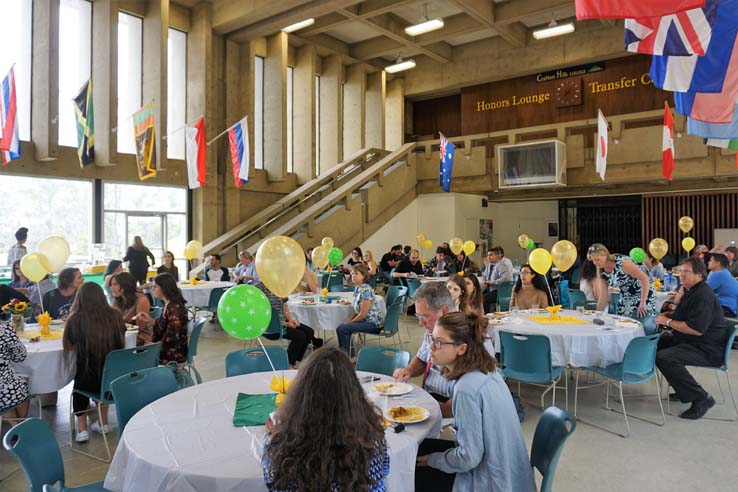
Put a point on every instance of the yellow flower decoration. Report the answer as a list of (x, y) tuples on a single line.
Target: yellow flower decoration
[(281, 385), (21, 306), (461, 273), (325, 292)]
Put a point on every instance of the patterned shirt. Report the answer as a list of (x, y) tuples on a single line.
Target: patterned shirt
[(171, 331), (365, 292), (630, 290)]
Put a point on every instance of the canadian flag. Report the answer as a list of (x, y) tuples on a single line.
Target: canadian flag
[(667, 147), (195, 144), (602, 145)]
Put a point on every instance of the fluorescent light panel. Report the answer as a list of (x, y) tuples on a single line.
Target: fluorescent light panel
[(299, 25), (552, 31), (400, 66), (424, 27)]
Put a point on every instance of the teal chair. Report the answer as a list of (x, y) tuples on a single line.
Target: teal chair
[(382, 360), (117, 364), (33, 445), (213, 301), (504, 292), (638, 366), (253, 360), (413, 284), (341, 288), (576, 298), (192, 344), (576, 276), (614, 302), (135, 390), (394, 292), (391, 323), (275, 331), (527, 359), (334, 278), (155, 312), (552, 431), (649, 325)]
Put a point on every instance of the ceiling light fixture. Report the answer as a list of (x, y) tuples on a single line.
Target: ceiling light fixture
[(426, 25), (554, 29), (400, 65), (299, 25)]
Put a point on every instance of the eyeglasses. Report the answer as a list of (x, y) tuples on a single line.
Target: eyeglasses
[(439, 344), (526, 273), (422, 317)]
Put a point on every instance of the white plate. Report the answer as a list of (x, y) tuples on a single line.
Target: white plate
[(392, 388), (495, 321), (423, 418)]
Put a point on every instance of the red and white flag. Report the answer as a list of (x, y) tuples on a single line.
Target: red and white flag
[(667, 147), (625, 9), (602, 145), (195, 144)]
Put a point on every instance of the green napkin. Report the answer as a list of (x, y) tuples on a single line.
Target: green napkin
[(253, 409)]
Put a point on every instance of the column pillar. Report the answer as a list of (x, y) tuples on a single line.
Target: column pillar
[(105, 80), (155, 42), (354, 91), (375, 113), (394, 126), (330, 112), (45, 80), (275, 107), (303, 110)]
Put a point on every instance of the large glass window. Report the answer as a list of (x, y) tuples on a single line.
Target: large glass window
[(176, 93), (130, 40), (258, 112), (290, 92), (17, 29), (60, 207), (156, 213), (75, 54), (317, 125)]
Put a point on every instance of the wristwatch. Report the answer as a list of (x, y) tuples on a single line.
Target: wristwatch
[(668, 323)]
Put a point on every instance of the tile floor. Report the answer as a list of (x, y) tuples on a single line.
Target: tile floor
[(683, 455)]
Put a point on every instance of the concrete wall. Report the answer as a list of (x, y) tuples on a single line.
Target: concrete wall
[(512, 219)]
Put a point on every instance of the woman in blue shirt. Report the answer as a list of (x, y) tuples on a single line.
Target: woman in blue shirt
[(367, 317), (489, 453)]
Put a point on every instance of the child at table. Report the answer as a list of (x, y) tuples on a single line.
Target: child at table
[(327, 435)]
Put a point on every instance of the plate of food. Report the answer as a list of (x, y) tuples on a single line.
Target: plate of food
[(309, 302), (495, 321), (131, 327), (406, 415), (345, 302), (393, 388)]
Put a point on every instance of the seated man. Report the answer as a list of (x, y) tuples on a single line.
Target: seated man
[(410, 266), (698, 338), (245, 272), (723, 283), (390, 260), (439, 265), (215, 272)]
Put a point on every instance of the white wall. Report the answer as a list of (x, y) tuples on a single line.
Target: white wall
[(511, 219)]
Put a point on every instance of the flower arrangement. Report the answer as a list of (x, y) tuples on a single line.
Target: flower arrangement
[(324, 291), (15, 306), (554, 310), (194, 281), (281, 385)]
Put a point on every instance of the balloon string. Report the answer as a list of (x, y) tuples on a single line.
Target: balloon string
[(545, 277), (267, 356)]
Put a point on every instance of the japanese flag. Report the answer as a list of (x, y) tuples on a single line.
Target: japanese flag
[(602, 145)]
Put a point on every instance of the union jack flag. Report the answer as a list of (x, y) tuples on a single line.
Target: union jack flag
[(447, 151), (681, 34)]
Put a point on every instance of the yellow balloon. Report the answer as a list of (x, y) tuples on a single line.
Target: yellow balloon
[(327, 243), (686, 224), (469, 247), (427, 244), (658, 248), (456, 245), (280, 263), (54, 253), (193, 249), (421, 240), (32, 266), (688, 244), (540, 260), (564, 255), (320, 257), (523, 241)]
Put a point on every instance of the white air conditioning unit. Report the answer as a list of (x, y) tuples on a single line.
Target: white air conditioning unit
[(531, 164)]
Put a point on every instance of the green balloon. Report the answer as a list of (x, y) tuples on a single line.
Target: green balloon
[(637, 255), (244, 312), (335, 255), (531, 245)]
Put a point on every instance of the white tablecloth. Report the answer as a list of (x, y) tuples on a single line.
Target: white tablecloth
[(577, 345), (661, 298), (199, 295), (187, 442), (323, 316), (45, 367)]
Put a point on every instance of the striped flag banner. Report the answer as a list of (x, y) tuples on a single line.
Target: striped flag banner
[(143, 131)]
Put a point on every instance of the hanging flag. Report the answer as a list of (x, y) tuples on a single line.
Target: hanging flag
[(602, 145), (681, 34), (143, 131), (624, 9), (9, 142), (725, 131), (238, 137), (85, 125), (723, 144), (447, 152), (195, 144), (700, 73), (667, 145)]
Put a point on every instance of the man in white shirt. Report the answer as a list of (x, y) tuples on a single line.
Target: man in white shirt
[(18, 250), (499, 270), (215, 272)]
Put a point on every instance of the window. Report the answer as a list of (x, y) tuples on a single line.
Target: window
[(290, 92), (156, 213), (59, 207), (258, 112), (129, 78), (317, 125), (18, 27), (176, 93), (75, 54)]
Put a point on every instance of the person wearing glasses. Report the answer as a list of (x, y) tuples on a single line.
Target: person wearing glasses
[(530, 291), (637, 297), (489, 452), (697, 338)]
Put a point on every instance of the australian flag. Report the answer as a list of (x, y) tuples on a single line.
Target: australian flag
[(447, 151)]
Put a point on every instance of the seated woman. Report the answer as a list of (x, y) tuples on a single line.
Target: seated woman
[(93, 330), (308, 284), (129, 300), (326, 444), (13, 390), (367, 317), (168, 266), (456, 286), (114, 267), (588, 280), (171, 328), (530, 291), (370, 263), (466, 265), (474, 294), (19, 281), (655, 268), (489, 452), (58, 302)]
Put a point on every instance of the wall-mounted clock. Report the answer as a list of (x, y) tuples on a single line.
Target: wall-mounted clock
[(568, 92)]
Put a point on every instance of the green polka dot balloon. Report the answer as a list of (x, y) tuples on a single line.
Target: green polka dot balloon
[(244, 312)]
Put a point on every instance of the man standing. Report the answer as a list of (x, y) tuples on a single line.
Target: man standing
[(698, 338), (18, 250), (215, 272), (499, 269), (245, 272), (723, 283)]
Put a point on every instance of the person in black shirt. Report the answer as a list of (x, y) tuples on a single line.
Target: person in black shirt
[(409, 266), (698, 338), (136, 256), (7, 294), (390, 260), (59, 301)]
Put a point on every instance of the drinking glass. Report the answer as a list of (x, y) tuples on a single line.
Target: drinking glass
[(580, 309)]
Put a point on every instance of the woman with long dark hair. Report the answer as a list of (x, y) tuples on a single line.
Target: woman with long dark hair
[(457, 288), (114, 267), (171, 328), (474, 294), (168, 266), (18, 280), (489, 452), (530, 290), (322, 443), (93, 330), (131, 302), (136, 256), (588, 280)]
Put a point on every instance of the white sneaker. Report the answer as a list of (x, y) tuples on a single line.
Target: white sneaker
[(95, 426), (82, 436)]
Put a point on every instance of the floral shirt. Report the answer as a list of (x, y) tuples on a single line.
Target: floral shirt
[(171, 331), (13, 390), (365, 292), (630, 290)]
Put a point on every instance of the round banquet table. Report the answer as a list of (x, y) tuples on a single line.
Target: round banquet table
[(324, 316), (199, 295), (576, 345), (44, 366), (186, 441)]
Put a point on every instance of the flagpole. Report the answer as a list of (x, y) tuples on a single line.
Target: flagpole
[(189, 123), (132, 115), (223, 133)]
